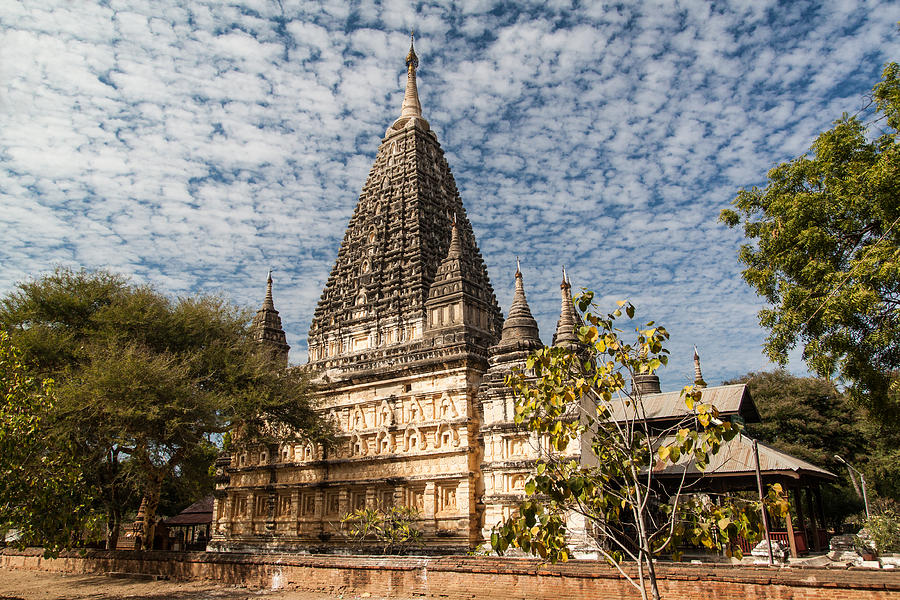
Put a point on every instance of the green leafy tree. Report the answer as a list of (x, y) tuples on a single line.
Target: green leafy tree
[(144, 380), (392, 531), (42, 493), (824, 251), (604, 453), (883, 527), (808, 417)]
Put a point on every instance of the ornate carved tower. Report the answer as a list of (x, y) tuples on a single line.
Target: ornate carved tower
[(398, 346), (266, 326)]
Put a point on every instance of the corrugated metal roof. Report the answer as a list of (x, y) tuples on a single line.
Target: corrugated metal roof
[(729, 399), (736, 458)]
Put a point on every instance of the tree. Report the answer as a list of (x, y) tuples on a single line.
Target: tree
[(42, 494), (825, 252), (577, 397), (147, 380), (393, 530), (806, 417), (809, 418)]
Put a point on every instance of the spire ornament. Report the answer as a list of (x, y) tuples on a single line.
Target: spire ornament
[(520, 330), (269, 303), (698, 375), (568, 320), (411, 56), (266, 327), (411, 106)]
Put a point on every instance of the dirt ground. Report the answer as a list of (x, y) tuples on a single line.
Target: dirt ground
[(39, 585)]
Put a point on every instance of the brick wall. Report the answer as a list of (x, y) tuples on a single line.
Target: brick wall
[(464, 577)]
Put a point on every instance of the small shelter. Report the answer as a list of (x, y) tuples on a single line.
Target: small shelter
[(189, 529), (733, 467)]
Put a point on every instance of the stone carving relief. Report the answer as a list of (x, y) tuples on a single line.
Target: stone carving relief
[(413, 440), (385, 414), (447, 407), (384, 442), (446, 436), (415, 413)]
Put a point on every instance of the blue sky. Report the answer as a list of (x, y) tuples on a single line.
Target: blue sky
[(194, 145)]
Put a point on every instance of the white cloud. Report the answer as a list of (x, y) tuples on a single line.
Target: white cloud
[(196, 146)]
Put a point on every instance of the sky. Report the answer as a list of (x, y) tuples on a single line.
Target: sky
[(195, 145)]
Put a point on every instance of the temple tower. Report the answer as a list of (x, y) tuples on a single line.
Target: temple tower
[(266, 327), (398, 347), (510, 452)]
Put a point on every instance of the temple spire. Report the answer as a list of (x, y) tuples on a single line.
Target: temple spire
[(268, 303), (266, 326), (455, 250), (411, 106), (698, 375), (520, 326), (565, 327)]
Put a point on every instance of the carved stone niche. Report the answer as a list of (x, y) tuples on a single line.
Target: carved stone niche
[(446, 437), (385, 414), (413, 439), (358, 419), (515, 483), (384, 442), (446, 407), (358, 445), (446, 497), (415, 414), (309, 452)]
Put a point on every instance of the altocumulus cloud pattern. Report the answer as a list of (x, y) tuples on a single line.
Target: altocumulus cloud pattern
[(196, 144)]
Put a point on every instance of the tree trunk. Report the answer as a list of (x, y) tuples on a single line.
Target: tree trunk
[(644, 554), (114, 508), (113, 521), (151, 496)]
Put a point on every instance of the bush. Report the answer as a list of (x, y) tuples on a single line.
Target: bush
[(884, 529), (391, 531)]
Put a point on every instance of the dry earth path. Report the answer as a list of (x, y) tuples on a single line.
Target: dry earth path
[(40, 585)]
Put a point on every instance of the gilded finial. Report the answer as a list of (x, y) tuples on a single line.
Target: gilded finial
[(518, 268), (565, 280), (411, 57), (411, 106)]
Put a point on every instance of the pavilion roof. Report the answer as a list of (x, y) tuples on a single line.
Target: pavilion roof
[(669, 406), (198, 513), (735, 459)]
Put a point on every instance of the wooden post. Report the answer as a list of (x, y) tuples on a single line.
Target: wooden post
[(792, 541), (801, 521), (762, 502), (813, 521), (821, 510)]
